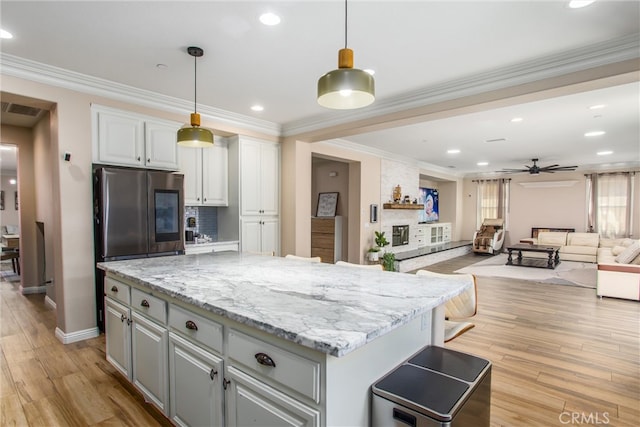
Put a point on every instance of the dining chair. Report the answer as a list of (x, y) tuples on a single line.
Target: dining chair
[(460, 308), (302, 258)]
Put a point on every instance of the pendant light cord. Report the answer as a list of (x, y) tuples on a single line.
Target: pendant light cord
[(195, 82), (345, 24)]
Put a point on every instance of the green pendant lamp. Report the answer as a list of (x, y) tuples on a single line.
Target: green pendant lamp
[(347, 87), (195, 136)]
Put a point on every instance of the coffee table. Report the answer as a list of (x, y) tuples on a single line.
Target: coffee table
[(551, 262)]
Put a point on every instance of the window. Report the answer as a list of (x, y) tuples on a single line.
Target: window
[(610, 204), (493, 200)]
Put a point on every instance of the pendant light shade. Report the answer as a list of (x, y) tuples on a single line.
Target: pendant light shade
[(346, 87), (195, 136)]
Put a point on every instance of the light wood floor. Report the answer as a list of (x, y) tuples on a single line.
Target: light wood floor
[(557, 351)]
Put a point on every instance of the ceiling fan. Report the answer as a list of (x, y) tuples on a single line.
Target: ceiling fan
[(535, 169)]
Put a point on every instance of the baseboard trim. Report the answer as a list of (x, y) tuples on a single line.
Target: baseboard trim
[(72, 337), (26, 290), (49, 302)]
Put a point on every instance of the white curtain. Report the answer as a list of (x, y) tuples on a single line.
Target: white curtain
[(493, 200), (610, 204)]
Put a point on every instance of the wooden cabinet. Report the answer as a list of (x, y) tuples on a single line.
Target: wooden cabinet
[(124, 138), (326, 238), (206, 174)]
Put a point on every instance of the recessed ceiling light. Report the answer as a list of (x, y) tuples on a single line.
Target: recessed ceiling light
[(577, 4), (269, 19), (482, 163), (4, 34), (604, 153), (595, 133), (257, 108), (597, 107), (12, 181), (517, 120), (369, 71), (453, 151)]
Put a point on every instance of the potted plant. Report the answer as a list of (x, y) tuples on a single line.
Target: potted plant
[(389, 261), (381, 240), (374, 254)]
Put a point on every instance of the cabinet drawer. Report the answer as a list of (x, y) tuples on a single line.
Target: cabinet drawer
[(117, 290), (291, 370), (196, 327), (327, 255), (322, 240), (149, 305), (326, 226)]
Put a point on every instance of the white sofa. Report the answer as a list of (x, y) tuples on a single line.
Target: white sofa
[(582, 247), (617, 277)]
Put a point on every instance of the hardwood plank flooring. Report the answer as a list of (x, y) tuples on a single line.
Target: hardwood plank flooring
[(557, 352)]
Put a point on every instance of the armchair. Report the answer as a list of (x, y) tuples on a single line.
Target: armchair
[(490, 238)]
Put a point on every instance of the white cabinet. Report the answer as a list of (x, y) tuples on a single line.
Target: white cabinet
[(118, 336), (260, 177), (438, 233), (196, 377), (251, 402), (149, 344), (260, 234), (124, 138), (420, 236), (206, 174)]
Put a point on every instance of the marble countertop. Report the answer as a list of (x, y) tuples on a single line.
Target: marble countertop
[(329, 308)]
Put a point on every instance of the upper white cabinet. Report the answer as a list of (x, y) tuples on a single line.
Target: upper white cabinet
[(206, 174), (128, 139), (260, 172)]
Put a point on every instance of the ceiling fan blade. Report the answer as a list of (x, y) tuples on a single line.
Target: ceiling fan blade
[(549, 167), (563, 168)]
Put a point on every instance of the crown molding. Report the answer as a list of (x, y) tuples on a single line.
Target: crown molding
[(548, 184), (576, 60), (15, 66)]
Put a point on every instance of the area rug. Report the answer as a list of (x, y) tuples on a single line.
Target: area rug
[(566, 273)]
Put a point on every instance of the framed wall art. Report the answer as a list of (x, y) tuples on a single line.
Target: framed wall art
[(2, 200), (327, 204)]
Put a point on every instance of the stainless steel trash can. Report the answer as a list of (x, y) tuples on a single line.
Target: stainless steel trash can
[(435, 387)]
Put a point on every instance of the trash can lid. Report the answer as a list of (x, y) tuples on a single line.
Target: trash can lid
[(450, 362), (427, 392)]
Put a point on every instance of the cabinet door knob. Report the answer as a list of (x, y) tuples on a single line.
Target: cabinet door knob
[(205, 199), (148, 160), (138, 158), (225, 383), (144, 303), (212, 374), (114, 288), (191, 325), (265, 360), (122, 317)]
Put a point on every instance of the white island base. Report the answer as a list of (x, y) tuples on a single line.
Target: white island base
[(208, 347)]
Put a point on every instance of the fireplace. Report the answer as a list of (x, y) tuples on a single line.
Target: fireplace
[(400, 235)]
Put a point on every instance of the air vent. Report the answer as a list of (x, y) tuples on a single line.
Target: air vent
[(20, 109)]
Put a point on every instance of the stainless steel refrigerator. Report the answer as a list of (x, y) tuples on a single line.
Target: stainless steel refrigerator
[(138, 213)]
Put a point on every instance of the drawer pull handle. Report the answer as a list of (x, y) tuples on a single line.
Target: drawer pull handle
[(144, 303), (265, 360), (191, 325), (212, 374), (114, 288)]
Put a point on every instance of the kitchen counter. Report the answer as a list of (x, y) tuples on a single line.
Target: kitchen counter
[(203, 247), (328, 308)]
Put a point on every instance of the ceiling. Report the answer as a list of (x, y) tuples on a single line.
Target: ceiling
[(424, 53)]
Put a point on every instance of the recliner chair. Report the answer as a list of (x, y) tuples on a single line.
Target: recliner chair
[(490, 237)]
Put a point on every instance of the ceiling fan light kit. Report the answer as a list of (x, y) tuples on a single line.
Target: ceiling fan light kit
[(346, 87), (535, 169), (195, 136)]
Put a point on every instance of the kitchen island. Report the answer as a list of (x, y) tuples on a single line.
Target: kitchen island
[(238, 339)]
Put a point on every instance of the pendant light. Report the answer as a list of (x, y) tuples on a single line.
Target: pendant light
[(195, 136), (347, 87)]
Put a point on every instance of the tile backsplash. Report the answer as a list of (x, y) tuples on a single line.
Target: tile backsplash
[(206, 219)]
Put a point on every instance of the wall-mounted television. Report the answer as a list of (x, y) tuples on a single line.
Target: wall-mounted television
[(429, 198)]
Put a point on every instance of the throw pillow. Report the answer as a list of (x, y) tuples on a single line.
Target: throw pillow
[(627, 242), (617, 250), (629, 254)]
